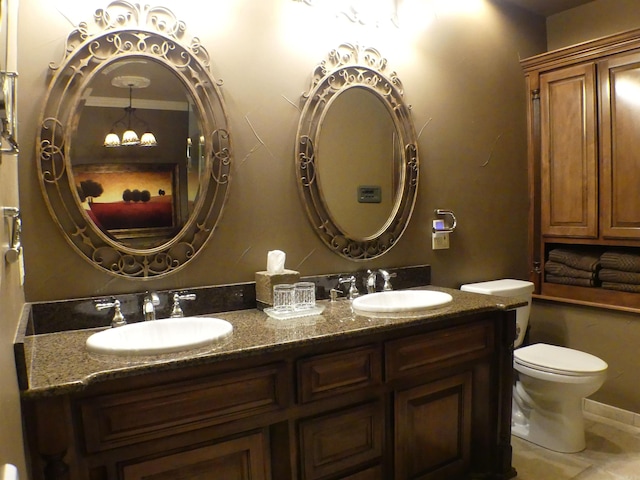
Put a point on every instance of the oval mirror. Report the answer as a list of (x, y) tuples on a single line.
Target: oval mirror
[(143, 206), (356, 155)]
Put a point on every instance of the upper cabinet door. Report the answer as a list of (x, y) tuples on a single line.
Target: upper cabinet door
[(620, 137), (569, 162)]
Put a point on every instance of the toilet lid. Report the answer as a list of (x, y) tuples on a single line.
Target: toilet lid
[(551, 358)]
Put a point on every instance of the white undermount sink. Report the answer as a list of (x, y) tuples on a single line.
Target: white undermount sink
[(160, 336), (400, 302)]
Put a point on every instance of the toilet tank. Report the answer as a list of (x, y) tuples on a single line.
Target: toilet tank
[(508, 287)]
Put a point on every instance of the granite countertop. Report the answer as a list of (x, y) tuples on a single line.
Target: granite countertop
[(58, 363)]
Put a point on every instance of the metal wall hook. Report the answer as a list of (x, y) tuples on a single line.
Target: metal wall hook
[(15, 234), (448, 228), (8, 132), (10, 211)]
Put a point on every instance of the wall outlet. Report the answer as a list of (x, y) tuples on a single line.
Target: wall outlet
[(439, 240)]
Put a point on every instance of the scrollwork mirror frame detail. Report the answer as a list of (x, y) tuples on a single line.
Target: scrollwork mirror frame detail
[(128, 31), (347, 67)]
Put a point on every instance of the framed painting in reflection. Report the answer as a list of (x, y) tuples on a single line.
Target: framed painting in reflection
[(129, 200)]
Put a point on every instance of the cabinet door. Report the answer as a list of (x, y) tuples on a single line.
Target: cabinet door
[(569, 162), (620, 97), (341, 441), (433, 429), (244, 458)]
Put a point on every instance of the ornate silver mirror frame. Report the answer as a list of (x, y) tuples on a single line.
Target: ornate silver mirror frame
[(355, 67), (126, 31)]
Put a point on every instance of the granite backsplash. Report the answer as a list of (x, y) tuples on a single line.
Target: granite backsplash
[(78, 314)]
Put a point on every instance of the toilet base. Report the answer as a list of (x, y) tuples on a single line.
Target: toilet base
[(556, 426), (573, 445)]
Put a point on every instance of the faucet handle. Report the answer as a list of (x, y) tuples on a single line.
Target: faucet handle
[(176, 311), (353, 289), (386, 276), (118, 319)]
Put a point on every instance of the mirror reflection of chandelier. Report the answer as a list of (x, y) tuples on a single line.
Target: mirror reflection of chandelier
[(130, 119)]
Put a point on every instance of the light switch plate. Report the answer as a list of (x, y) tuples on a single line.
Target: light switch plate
[(440, 240)]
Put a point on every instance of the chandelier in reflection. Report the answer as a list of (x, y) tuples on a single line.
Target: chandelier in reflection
[(129, 120)]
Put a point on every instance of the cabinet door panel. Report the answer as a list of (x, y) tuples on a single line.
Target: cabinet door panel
[(569, 153), (433, 429), (244, 458), (340, 441), (620, 91), (335, 373)]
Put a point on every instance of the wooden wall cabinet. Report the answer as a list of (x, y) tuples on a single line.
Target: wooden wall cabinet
[(428, 401), (569, 159), (619, 78), (584, 158)]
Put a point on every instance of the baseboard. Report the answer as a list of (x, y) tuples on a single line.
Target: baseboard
[(612, 413)]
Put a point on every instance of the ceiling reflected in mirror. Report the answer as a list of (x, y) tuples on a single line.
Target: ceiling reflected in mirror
[(130, 120)]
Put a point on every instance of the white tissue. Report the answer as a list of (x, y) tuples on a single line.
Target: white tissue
[(275, 261)]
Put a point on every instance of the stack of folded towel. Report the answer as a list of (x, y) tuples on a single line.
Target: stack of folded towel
[(620, 271), (572, 267)]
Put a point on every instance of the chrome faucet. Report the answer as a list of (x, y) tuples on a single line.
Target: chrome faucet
[(352, 292), (373, 276), (176, 311), (118, 319), (149, 304), (386, 276), (371, 281)]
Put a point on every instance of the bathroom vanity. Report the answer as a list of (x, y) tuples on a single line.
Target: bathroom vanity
[(334, 396)]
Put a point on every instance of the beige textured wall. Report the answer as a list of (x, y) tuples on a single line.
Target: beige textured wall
[(11, 302), (461, 74), (613, 336), (593, 20), (610, 335)]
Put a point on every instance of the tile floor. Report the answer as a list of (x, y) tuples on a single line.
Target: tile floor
[(612, 453)]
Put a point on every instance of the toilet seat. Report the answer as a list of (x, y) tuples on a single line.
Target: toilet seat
[(559, 360)]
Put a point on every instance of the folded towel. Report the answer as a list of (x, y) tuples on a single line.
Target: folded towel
[(563, 270), (627, 262), (582, 260), (623, 287), (581, 282), (618, 276)]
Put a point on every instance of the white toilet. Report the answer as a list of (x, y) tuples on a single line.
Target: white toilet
[(551, 381)]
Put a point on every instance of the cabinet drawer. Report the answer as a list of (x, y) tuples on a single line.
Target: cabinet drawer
[(335, 373), (443, 348), (340, 441), (115, 420), (244, 458)]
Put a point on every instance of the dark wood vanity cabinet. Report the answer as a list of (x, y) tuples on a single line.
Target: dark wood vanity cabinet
[(428, 401)]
